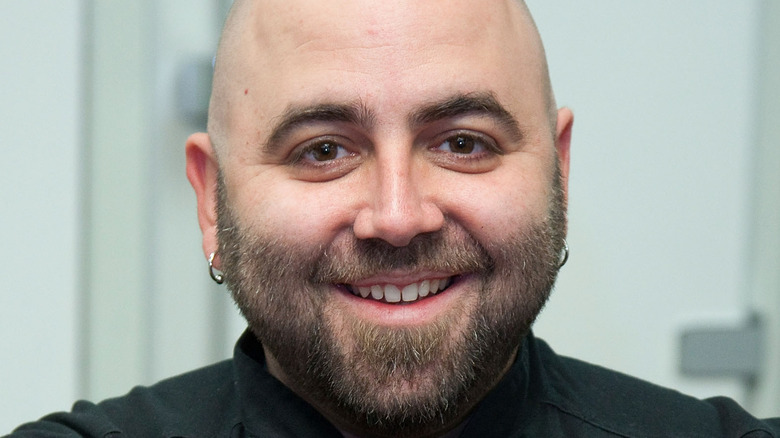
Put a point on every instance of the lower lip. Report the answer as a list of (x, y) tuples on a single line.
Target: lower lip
[(410, 313)]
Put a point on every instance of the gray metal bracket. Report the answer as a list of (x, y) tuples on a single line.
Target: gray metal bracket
[(724, 352)]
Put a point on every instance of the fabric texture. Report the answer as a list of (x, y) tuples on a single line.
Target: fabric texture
[(543, 395)]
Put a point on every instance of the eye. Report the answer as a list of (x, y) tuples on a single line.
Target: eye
[(324, 158), (466, 151), (468, 144), (462, 144), (324, 151)]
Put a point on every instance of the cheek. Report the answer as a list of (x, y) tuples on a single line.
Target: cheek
[(306, 213), (494, 206)]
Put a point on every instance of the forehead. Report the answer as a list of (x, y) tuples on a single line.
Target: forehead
[(390, 56), (340, 24)]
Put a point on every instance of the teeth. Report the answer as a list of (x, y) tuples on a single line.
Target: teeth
[(424, 288), (376, 292), (409, 293), (393, 294)]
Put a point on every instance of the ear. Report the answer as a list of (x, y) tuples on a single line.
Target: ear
[(202, 170), (563, 144)]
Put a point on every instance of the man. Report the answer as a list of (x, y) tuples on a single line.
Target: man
[(383, 189)]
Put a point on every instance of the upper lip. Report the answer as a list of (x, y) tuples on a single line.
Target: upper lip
[(400, 279)]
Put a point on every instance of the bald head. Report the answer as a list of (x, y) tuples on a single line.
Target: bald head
[(266, 42)]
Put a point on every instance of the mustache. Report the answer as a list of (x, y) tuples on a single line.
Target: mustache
[(450, 249)]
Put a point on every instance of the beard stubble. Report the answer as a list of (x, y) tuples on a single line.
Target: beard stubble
[(391, 381)]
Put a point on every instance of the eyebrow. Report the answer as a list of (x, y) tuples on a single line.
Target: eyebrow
[(295, 117), (481, 104)]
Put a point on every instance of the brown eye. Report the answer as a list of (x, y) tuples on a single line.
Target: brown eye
[(462, 145), (325, 151), (324, 158), (466, 151)]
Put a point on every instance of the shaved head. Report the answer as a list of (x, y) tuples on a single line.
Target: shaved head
[(254, 26)]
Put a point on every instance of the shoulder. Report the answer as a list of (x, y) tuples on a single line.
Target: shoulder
[(180, 404), (198, 403), (630, 407)]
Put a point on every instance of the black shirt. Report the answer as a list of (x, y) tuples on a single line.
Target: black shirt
[(543, 395)]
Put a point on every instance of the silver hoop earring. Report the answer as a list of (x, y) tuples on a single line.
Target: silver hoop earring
[(218, 278), (565, 256)]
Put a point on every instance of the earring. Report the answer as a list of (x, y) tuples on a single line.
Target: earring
[(565, 256), (218, 278)]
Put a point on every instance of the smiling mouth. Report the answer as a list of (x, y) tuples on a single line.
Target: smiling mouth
[(390, 293)]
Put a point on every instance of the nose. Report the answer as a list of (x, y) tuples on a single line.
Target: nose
[(401, 204)]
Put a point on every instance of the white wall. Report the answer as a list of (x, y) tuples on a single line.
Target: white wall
[(664, 97), (40, 160), (153, 310)]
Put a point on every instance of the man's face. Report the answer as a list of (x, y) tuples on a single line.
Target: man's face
[(390, 202)]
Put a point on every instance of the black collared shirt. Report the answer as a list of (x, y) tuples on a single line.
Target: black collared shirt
[(543, 395)]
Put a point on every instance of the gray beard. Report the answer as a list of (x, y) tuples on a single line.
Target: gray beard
[(384, 381)]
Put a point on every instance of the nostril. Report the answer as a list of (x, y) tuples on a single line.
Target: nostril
[(398, 227)]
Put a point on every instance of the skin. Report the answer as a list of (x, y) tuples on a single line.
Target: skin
[(394, 177)]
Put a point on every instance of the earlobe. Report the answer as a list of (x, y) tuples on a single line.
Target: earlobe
[(202, 172), (563, 143)]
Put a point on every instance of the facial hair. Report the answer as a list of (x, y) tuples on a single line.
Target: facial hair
[(391, 381)]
